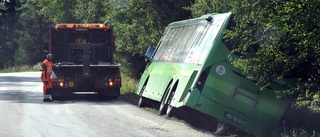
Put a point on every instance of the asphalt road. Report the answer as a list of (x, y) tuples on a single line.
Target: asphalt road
[(23, 114)]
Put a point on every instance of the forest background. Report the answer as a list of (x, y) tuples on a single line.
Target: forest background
[(275, 38)]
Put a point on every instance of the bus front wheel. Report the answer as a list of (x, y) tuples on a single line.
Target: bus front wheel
[(141, 102)]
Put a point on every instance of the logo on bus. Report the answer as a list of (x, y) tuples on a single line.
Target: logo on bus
[(230, 58), (221, 70)]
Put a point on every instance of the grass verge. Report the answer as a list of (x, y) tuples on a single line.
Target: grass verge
[(129, 85), (22, 68)]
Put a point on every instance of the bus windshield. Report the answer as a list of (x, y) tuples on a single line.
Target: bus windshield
[(186, 43)]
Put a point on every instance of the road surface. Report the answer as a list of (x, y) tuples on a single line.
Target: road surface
[(23, 114)]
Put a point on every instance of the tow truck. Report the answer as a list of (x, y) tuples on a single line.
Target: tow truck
[(84, 56)]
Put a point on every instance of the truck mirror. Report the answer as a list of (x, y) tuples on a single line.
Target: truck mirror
[(46, 47), (149, 52)]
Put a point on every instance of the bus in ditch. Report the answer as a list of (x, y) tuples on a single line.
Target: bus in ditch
[(191, 67)]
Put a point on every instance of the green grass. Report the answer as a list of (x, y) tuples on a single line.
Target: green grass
[(299, 133), (129, 85)]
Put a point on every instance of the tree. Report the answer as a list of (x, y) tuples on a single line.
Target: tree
[(9, 13), (91, 11), (284, 34), (57, 11), (137, 26), (172, 10), (33, 34), (140, 24)]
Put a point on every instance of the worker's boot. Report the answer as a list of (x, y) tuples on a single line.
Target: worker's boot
[(47, 97)]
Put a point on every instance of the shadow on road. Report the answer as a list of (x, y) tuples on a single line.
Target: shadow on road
[(20, 96), (12, 79), (193, 118)]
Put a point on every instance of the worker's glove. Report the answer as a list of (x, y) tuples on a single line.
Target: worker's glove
[(43, 66)]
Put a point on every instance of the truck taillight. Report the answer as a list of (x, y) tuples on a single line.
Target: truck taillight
[(113, 82), (61, 83)]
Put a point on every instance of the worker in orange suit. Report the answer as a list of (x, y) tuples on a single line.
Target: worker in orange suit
[(47, 66)]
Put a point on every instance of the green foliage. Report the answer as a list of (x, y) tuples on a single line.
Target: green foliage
[(300, 122), (33, 32), (90, 11), (137, 26), (299, 133), (57, 11), (275, 40), (129, 85), (278, 40), (201, 7), (288, 46), (9, 13), (171, 10)]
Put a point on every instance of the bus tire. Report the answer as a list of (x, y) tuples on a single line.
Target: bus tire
[(170, 108), (141, 102), (169, 111), (163, 105)]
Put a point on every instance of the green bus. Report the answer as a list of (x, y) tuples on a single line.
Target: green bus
[(191, 67)]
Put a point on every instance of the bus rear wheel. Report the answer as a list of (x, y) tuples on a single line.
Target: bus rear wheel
[(163, 105), (170, 108), (141, 102)]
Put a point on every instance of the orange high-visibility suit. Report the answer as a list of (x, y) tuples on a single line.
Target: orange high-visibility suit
[(45, 75)]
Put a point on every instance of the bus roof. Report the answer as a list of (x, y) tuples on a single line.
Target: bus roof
[(183, 22)]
